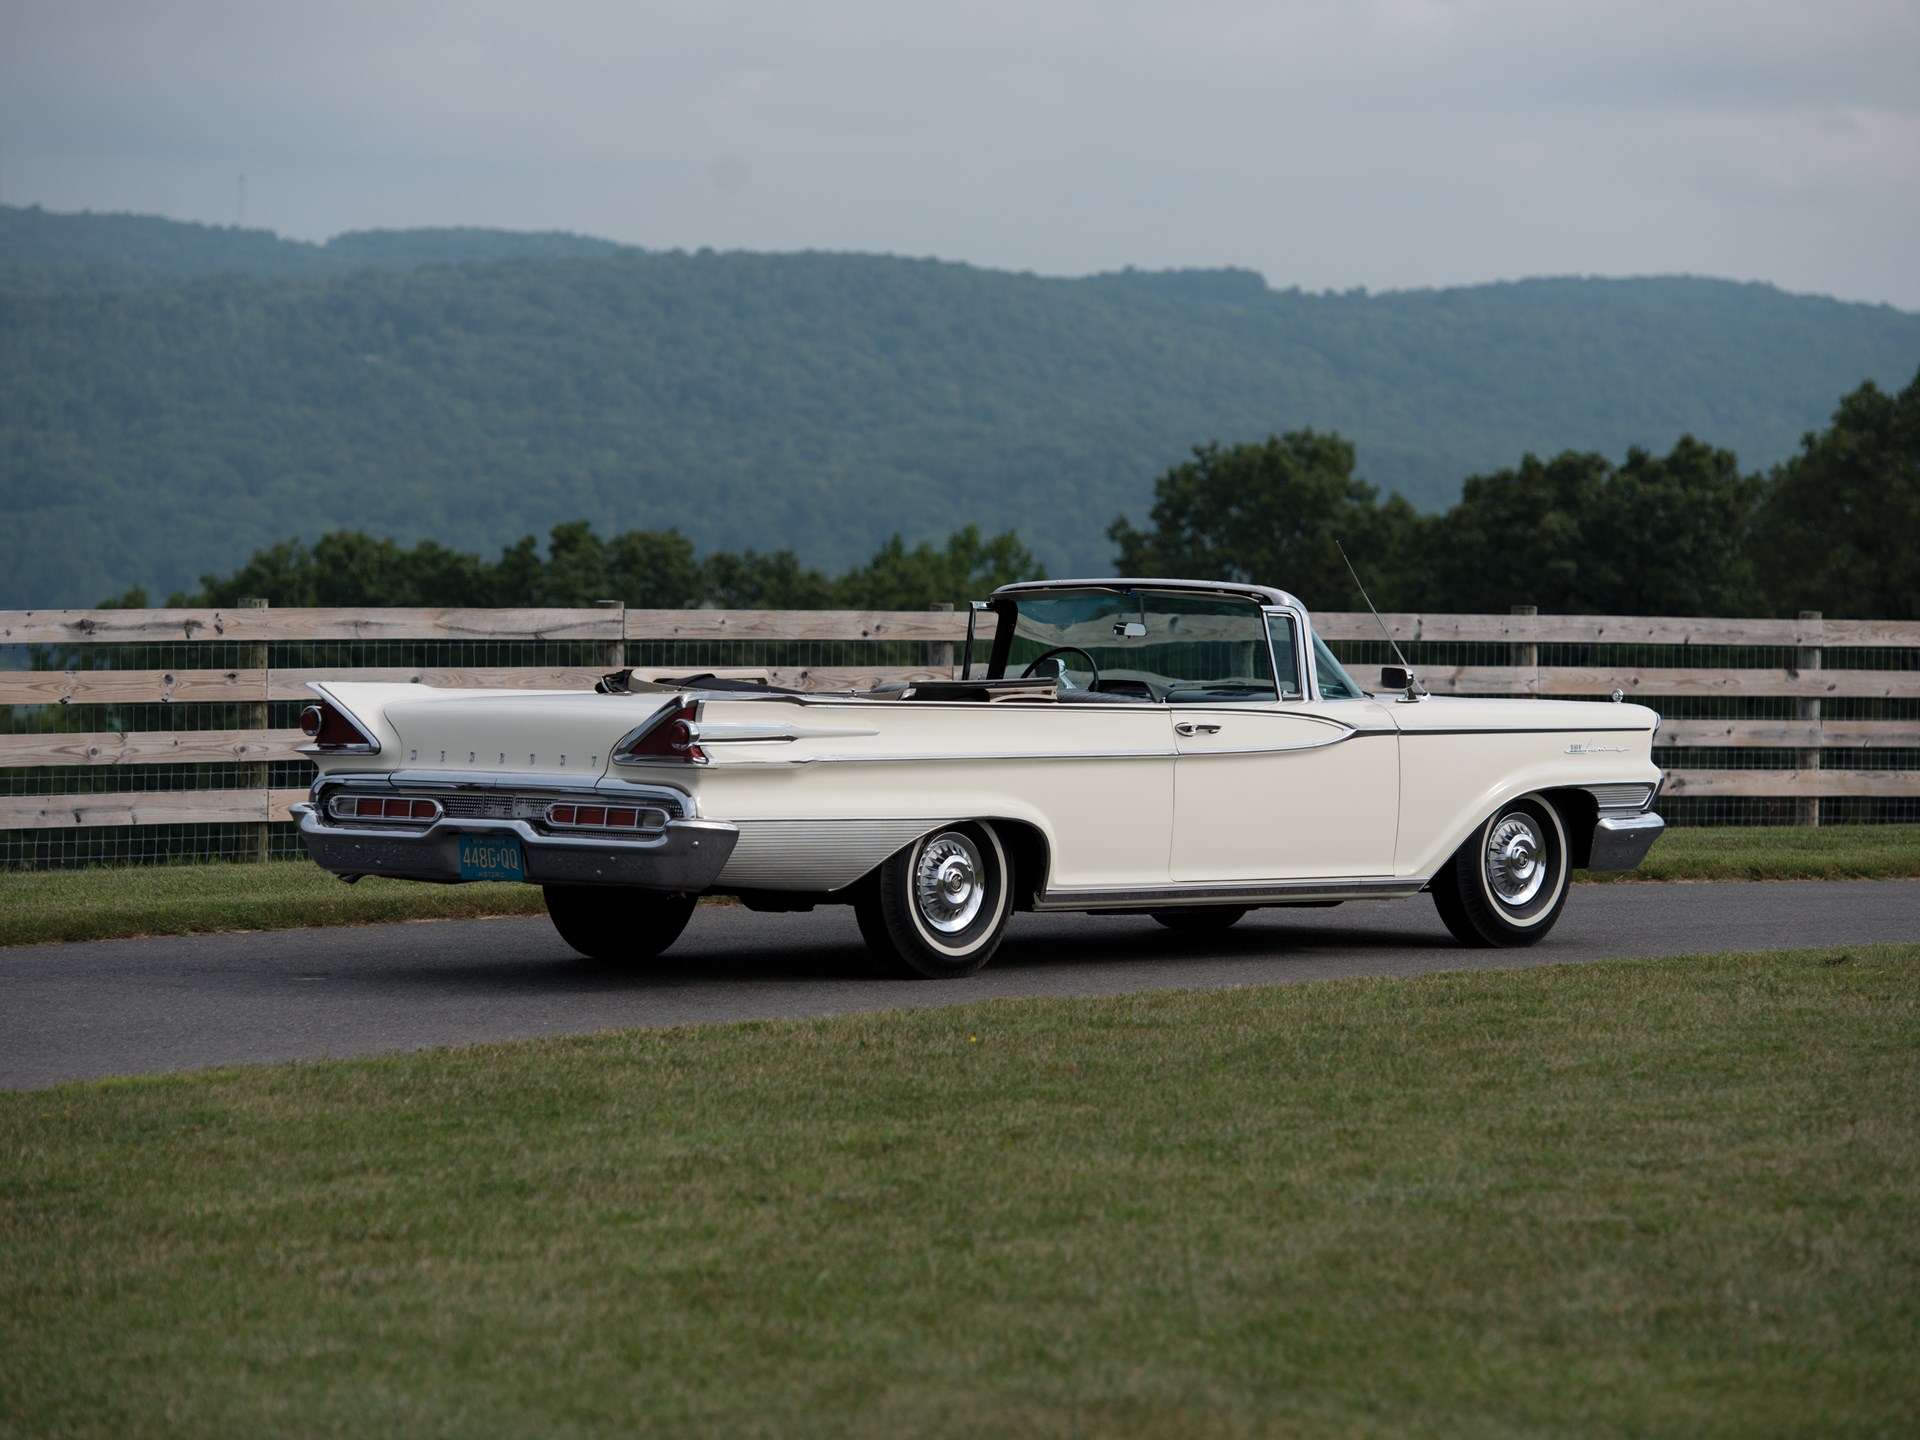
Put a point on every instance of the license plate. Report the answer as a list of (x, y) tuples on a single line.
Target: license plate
[(490, 857)]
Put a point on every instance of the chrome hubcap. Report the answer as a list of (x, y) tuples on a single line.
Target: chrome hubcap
[(1515, 860), (946, 883)]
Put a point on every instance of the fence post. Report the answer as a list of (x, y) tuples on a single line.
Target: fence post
[(940, 652), (256, 776), (1806, 660), (1526, 658), (613, 654)]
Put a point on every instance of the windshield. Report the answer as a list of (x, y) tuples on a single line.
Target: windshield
[(1151, 644)]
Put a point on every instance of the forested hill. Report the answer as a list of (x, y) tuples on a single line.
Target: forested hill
[(151, 435), (46, 251)]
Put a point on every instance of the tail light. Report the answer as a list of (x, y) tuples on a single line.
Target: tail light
[(333, 731), (671, 738), (604, 817), (383, 807)]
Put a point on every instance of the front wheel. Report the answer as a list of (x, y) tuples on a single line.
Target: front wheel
[(615, 923), (1508, 884), (938, 909)]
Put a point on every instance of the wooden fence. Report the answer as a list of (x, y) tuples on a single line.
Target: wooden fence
[(1871, 667)]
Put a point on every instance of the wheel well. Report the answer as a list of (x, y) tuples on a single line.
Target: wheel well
[(1579, 812), (1027, 852)]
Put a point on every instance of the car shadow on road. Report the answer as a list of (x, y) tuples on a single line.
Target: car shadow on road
[(805, 955), (549, 966), (1250, 940)]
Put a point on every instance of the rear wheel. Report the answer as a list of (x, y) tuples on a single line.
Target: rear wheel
[(1200, 919), (615, 923), (1508, 884), (938, 909)]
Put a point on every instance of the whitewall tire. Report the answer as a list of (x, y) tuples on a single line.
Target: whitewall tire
[(938, 909), (1507, 885)]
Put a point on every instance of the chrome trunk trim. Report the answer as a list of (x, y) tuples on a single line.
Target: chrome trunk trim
[(464, 796), (685, 857)]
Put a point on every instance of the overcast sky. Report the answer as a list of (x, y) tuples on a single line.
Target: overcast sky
[(1384, 143)]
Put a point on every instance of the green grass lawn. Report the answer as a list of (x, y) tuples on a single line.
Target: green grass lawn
[(105, 903), (1626, 1199), (1830, 852)]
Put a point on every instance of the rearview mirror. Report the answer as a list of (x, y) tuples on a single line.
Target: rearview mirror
[(1129, 630)]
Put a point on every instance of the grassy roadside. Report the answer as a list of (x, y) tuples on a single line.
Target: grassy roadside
[(38, 906), (1635, 1198), (1831, 852), (110, 902)]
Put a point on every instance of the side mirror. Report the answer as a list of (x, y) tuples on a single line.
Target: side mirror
[(1395, 677)]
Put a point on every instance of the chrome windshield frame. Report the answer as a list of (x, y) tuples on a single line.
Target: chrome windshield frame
[(1005, 605), (1303, 665)]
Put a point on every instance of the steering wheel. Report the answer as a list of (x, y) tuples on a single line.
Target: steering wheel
[(1092, 668)]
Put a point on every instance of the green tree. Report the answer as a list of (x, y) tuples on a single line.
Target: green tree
[(966, 568), (1518, 536), (354, 570), (752, 581), (282, 574), (1577, 535), (576, 571), (1840, 529), (1670, 535), (1271, 513), (654, 570)]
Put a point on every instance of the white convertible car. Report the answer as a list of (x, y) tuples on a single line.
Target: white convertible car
[(1181, 749)]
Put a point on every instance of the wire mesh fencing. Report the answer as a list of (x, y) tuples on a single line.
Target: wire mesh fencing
[(122, 744)]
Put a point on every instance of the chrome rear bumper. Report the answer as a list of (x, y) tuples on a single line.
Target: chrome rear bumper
[(686, 856), (1622, 842)]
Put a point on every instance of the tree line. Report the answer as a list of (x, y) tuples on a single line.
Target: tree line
[(822, 402), (645, 569), (1836, 528)]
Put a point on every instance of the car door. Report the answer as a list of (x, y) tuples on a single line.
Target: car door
[(1308, 791), (1299, 789)]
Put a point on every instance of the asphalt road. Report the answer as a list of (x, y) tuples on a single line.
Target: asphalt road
[(125, 1007)]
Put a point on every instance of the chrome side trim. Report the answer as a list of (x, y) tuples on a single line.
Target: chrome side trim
[(887, 759), (1413, 732), (723, 733), (1339, 734), (816, 855), (1633, 796), (1262, 892), (1057, 755)]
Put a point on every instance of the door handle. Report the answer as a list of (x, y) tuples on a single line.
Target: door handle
[(1195, 727)]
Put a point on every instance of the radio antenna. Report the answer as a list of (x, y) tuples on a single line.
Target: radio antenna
[(1412, 693)]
